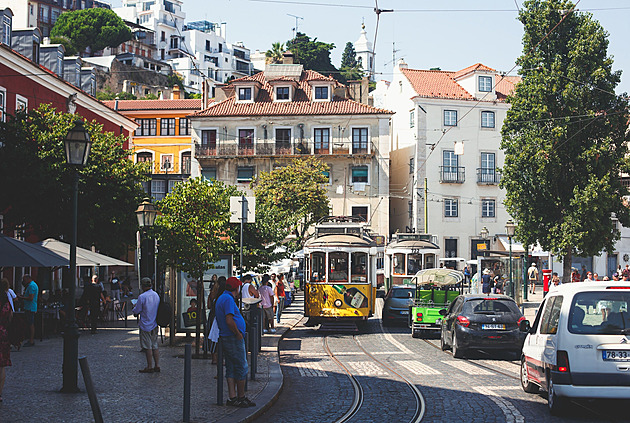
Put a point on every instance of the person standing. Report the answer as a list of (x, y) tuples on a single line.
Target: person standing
[(467, 275), (486, 281), (30, 306), (248, 290), (10, 293), (6, 314), (232, 332), (555, 282), (93, 295), (147, 308), (532, 277), (266, 296), (626, 272), (280, 296), (115, 287)]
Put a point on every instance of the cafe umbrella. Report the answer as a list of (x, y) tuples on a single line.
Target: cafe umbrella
[(16, 253)]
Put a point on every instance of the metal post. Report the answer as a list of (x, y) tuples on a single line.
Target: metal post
[(219, 372), (89, 386), (243, 218), (246, 339), (187, 379), (511, 280), (525, 281), (71, 331), (254, 350)]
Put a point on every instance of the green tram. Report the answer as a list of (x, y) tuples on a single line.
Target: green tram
[(407, 253), (436, 289)]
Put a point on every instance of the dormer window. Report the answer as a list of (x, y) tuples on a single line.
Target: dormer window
[(321, 93), (485, 84), (245, 94), (283, 93)]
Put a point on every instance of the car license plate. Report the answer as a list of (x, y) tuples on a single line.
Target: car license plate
[(492, 326), (616, 355), (404, 312)]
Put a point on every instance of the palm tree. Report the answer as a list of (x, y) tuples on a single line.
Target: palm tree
[(274, 55)]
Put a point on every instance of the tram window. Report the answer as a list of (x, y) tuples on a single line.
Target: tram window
[(414, 263), (318, 267), (359, 267), (429, 261), (399, 264), (338, 267)]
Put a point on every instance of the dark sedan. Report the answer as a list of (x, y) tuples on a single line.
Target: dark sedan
[(477, 321), (397, 302)]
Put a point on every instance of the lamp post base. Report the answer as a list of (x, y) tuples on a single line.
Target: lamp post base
[(70, 359)]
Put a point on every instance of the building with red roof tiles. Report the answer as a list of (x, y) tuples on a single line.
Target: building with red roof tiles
[(273, 117), (447, 132)]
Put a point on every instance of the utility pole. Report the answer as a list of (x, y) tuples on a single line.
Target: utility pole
[(295, 30)]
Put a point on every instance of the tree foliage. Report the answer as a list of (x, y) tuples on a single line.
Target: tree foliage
[(275, 53), (297, 193), (36, 183), (67, 44), (564, 137), (351, 69), (95, 28), (313, 54)]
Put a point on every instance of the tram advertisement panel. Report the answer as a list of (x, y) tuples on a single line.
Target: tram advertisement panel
[(339, 300)]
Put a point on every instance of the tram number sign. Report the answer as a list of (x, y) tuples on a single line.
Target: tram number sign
[(416, 251)]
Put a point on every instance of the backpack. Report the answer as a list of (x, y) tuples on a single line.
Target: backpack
[(164, 313)]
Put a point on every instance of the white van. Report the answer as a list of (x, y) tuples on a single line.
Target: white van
[(579, 344)]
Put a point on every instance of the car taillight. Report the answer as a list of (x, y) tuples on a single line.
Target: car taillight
[(618, 287), (563, 361), (520, 320), (419, 317), (463, 321)]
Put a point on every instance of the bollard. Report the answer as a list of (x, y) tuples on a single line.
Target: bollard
[(125, 311), (187, 378), (89, 386), (254, 351), (219, 372), (246, 338)]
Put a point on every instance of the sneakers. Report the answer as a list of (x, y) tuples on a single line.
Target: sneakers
[(240, 402), (272, 330), (232, 402), (265, 331)]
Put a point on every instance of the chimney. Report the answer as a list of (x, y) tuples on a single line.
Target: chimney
[(359, 90), (287, 58), (176, 93)]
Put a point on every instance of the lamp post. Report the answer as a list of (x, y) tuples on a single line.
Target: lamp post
[(510, 228), (77, 146), (146, 214)]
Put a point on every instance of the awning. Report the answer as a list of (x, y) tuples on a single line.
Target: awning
[(517, 247), (84, 257), (16, 253), (537, 251)]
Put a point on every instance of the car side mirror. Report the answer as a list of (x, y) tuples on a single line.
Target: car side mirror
[(443, 312), (524, 326)]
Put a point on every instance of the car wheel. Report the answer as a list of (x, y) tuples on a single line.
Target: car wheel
[(458, 352), (443, 343), (527, 386), (555, 403)]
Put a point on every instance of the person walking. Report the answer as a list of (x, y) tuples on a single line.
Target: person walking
[(147, 308), (266, 296), (92, 296), (6, 314), (30, 306), (486, 281), (532, 277), (115, 287), (232, 332), (280, 296)]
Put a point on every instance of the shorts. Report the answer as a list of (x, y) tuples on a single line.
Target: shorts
[(268, 313), (30, 317), (235, 357), (149, 340)]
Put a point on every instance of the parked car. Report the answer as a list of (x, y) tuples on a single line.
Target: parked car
[(398, 300), (480, 321), (579, 344)]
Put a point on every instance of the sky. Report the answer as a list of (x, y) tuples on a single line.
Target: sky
[(449, 34)]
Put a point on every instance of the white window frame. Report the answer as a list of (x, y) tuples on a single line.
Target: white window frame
[(449, 200), (163, 158), (162, 191), (283, 100), (3, 105), (135, 155), (444, 112), (482, 88), (488, 113), (412, 118), (238, 136), (369, 209), (485, 204), (20, 99), (330, 136), (369, 138), (328, 89), (368, 173), (238, 94)]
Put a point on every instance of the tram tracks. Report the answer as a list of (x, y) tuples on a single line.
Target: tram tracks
[(359, 397)]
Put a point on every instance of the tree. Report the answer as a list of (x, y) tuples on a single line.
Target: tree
[(274, 54), (37, 183), (298, 192), (564, 137), (351, 69), (95, 28), (313, 54), (67, 44)]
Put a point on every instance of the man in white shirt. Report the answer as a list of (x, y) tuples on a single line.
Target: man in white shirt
[(147, 308)]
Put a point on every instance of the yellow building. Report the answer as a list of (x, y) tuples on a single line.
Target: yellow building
[(162, 138)]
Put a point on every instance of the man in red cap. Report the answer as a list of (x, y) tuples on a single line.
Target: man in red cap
[(232, 331)]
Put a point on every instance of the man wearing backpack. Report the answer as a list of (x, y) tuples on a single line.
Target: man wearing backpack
[(147, 308)]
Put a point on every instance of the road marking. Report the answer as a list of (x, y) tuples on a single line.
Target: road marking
[(388, 336), (467, 368), (363, 368), (418, 368), (504, 365), (512, 415), (311, 370)]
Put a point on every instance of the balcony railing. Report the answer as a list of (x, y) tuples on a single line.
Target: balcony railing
[(452, 174), (272, 148), (487, 176)]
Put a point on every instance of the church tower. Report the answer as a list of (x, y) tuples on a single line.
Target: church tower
[(365, 55)]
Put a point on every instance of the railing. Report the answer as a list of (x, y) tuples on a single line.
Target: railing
[(452, 174), (273, 148), (488, 176)]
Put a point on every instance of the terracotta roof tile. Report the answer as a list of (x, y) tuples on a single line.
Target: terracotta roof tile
[(469, 69), (505, 86), (181, 104), (301, 104)]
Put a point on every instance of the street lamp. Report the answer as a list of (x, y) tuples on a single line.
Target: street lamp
[(510, 228), (77, 145), (484, 232), (146, 214)]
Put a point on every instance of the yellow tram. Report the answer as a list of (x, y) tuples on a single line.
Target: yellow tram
[(340, 276), (408, 253)]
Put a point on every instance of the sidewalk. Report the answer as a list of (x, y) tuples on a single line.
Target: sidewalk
[(124, 394), (530, 307)]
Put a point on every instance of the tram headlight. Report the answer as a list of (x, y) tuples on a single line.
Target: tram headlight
[(338, 303)]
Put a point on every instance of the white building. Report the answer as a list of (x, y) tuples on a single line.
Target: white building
[(365, 54), (446, 131)]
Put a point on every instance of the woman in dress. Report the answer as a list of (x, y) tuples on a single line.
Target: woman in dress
[(5, 318)]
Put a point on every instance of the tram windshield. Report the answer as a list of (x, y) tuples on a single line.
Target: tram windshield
[(318, 267), (359, 267), (399, 264), (338, 264), (414, 263)]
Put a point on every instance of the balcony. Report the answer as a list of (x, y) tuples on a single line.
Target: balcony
[(486, 176), (273, 148), (452, 174)]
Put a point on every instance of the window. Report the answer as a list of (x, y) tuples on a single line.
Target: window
[(244, 173), (21, 103), (166, 162), (488, 208), (487, 119), (144, 157), (485, 84), (412, 118), (359, 266), (283, 141), (399, 264), (359, 174), (487, 173), (158, 189), (450, 117), (551, 316), (208, 47), (321, 93), (246, 139), (244, 93), (147, 127), (167, 126), (322, 139), (487, 162), (208, 141), (449, 161), (359, 140), (360, 211), (450, 207), (411, 165), (282, 93), (209, 173), (3, 104), (185, 163), (184, 126)]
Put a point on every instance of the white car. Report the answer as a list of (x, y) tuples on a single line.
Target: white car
[(579, 344)]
